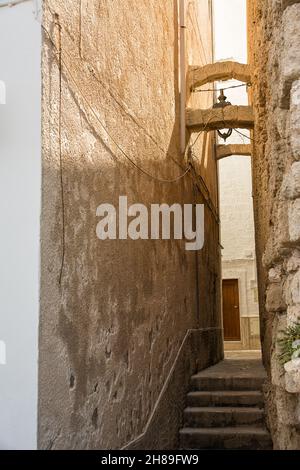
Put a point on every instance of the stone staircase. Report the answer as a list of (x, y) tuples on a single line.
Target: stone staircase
[(225, 408)]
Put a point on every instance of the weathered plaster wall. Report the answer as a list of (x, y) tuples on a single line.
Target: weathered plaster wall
[(111, 330), (274, 35)]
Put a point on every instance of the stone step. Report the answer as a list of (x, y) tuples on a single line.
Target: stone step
[(209, 417), (208, 383), (239, 437), (226, 398)]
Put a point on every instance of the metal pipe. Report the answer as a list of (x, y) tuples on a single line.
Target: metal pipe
[(182, 75)]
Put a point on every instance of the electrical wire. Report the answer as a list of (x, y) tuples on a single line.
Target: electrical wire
[(201, 132), (111, 137), (118, 99), (216, 90), (61, 157), (122, 151), (244, 135), (206, 194), (61, 64)]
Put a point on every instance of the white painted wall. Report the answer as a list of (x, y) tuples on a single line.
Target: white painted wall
[(236, 208), (235, 172), (236, 204), (20, 189)]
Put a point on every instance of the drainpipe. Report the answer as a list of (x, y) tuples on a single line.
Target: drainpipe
[(182, 76)]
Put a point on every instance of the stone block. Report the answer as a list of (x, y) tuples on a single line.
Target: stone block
[(275, 300), (274, 246), (286, 407), (295, 119), (294, 221), (293, 264), (293, 314), (290, 56), (277, 376), (291, 34), (288, 3), (293, 289), (292, 376), (277, 246), (291, 182), (275, 274)]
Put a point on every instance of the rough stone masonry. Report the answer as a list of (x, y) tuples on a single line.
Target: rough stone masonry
[(274, 53)]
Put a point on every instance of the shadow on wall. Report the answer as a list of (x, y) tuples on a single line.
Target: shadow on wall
[(110, 333)]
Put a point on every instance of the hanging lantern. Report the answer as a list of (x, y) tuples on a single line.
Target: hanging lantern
[(222, 104)]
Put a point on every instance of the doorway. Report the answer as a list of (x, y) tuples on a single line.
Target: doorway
[(231, 310)]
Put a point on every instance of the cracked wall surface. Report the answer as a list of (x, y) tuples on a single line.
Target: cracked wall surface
[(114, 313), (274, 35)]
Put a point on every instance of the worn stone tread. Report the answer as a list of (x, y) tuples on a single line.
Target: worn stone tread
[(236, 437), (226, 383), (223, 409), (225, 398), (222, 416), (232, 430), (235, 368)]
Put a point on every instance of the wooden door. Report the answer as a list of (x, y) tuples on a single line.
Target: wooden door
[(231, 310)]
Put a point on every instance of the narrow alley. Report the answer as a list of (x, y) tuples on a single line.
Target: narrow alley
[(150, 236)]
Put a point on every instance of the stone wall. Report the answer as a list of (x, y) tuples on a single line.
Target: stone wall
[(115, 313), (274, 53)]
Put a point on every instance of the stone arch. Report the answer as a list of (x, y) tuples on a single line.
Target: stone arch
[(213, 119), (224, 151), (219, 71)]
